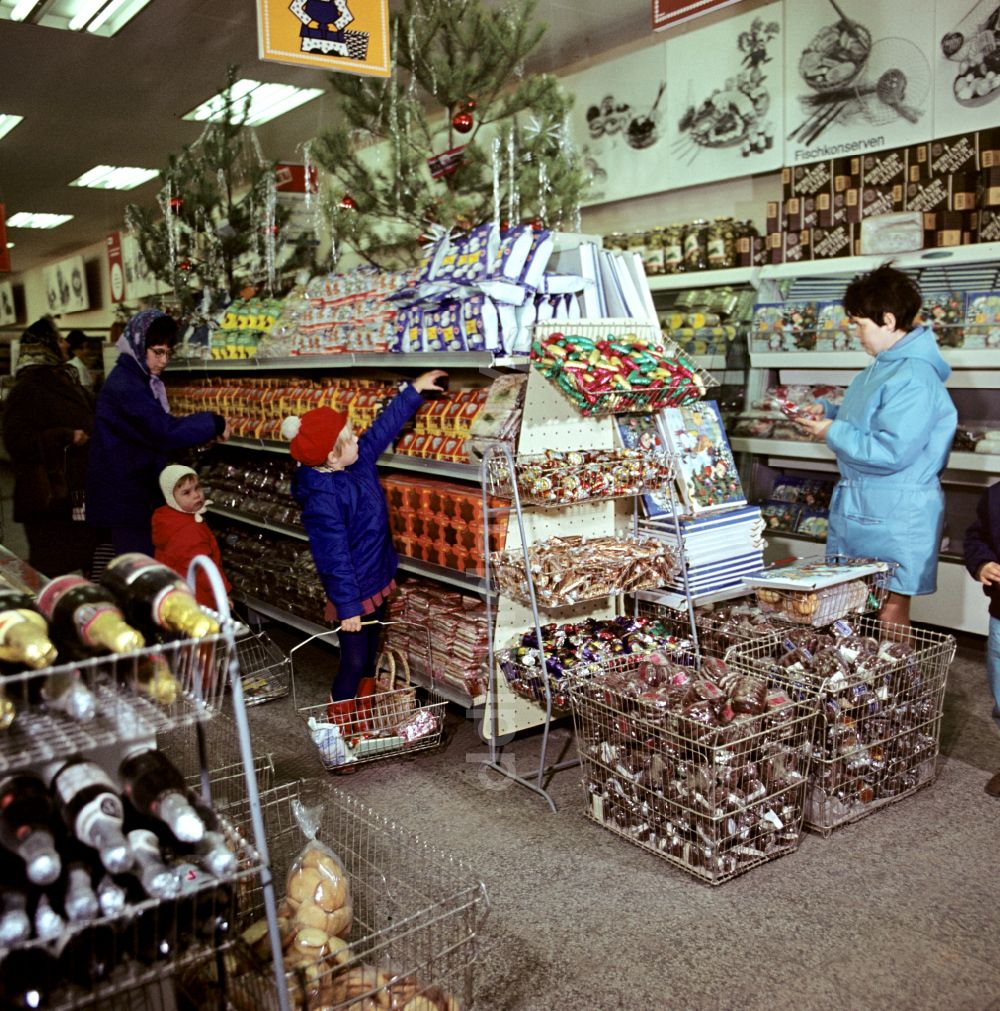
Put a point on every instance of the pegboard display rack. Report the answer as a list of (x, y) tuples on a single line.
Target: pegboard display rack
[(549, 422)]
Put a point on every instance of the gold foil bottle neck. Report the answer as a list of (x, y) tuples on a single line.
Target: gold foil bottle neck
[(27, 641), (156, 680), (110, 631), (180, 612), (7, 712)]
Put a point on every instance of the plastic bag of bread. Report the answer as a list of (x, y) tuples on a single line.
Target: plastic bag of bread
[(317, 890)]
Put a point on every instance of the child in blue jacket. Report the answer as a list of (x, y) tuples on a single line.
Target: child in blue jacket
[(982, 559), (346, 516)]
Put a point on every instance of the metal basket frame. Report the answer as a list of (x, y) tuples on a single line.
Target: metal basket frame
[(417, 912), (642, 400), (877, 733), (669, 784), (265, 668), (425, 704)]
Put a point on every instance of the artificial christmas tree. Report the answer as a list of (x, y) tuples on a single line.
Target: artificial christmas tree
[(455, 136)]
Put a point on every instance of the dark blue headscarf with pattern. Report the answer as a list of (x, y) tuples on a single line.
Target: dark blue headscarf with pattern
[(133, 342)]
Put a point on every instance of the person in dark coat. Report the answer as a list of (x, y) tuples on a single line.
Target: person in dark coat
[(47, 423), (982, 559), (135, 434)]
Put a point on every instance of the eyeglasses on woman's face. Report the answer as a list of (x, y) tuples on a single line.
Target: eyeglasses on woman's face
[(163, 353)]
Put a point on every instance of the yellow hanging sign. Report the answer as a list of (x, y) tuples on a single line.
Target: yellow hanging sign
[(351, 36)]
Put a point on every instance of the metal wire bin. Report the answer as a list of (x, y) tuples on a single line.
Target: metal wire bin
[(264, 667), (715, 801), (400, 721), (418, 914), (811, 603), (881, 695)]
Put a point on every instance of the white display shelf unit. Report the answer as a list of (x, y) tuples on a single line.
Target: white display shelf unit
[(343, 360)]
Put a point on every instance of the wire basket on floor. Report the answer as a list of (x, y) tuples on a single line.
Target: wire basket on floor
[(881, 695), (713, 790), (818, 591), (399, 718), (418, 914), (264, 667)]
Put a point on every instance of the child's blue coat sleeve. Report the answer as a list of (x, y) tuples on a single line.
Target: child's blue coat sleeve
[(387, 425), (331, 550)]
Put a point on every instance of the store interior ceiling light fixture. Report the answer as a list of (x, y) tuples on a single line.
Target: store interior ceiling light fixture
[(99, 17), (7, 122), (266, 101), (110, 177), (29, 219)]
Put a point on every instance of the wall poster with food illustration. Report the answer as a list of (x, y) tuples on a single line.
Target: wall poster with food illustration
[(857, 78), (618, 125), (724, 100), (66, 286), (967, 66)]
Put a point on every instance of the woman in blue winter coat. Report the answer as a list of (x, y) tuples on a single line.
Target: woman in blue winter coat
[(891, 436), (345, 514), (135, 435)]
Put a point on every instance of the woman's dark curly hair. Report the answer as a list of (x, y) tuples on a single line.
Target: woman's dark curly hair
[(883, 290)]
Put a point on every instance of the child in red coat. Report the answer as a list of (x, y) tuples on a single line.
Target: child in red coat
[(180, 531)]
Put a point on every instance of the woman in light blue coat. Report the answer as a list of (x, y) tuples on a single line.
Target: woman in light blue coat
[(891, 436)]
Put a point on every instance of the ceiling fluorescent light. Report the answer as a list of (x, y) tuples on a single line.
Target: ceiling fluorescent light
[(267, 102), (84, 13), (27, 219), (23, 9), (107, 177), (8, 122)]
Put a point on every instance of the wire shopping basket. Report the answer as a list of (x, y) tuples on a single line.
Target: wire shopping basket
[(399, 718), (264, 667)]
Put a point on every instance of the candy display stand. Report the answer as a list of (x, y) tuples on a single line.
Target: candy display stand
[(550, 423)]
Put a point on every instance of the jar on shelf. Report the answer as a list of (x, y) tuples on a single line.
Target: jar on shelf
[(653, 258), (721, 244), (672, 238), (616, 240), (637, 244), (696, 245)]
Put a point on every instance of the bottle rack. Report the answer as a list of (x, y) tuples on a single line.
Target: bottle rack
[(549, 422), (201, 668)]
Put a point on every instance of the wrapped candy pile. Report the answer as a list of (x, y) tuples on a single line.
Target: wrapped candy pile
[(566, 570), (705, 768), (879, 703), (617, 372), (554, 477), (580, 649)]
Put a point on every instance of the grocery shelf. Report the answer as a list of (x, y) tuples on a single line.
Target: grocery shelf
[(345, 360), (782, 447), (701, 278), (463, 580), (957, 358)]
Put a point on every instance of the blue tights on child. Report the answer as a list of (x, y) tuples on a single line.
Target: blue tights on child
[(358, 653)]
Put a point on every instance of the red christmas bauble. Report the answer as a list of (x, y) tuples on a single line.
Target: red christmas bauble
[(535, 224), (176, 203), (348, 203), (462, 122), (184, 266), (273, 229), (470, 104)]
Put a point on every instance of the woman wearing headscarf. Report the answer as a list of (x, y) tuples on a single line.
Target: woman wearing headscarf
[(135, 434), (47, 422)]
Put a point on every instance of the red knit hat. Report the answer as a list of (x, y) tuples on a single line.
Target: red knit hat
[(312, 436)]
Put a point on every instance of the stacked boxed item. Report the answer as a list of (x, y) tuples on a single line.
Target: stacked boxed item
[(818, 591), (707, 769), (443, 634), (581, 649), (880, 690), (799, 504)]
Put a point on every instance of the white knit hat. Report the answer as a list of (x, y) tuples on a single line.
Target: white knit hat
[(169, 477)]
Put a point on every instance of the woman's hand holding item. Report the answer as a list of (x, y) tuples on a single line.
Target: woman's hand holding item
[(352, 624), (816, 427), (79, 437), (429, 381), (989, 572)]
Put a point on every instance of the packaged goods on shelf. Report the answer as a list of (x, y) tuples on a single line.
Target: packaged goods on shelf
[(566, 570), (771, 416), (818, 591), (238, 333), (580, 649), (786, 326), (460, 635), (880, 690), (718, 626), (578, 475), (706, 769)]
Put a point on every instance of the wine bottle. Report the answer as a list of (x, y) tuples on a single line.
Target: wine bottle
[(7, 709), (28, 977), (26, 817), (111, 896), (211, 850), (15, 924), (154, 598), (24, 637), (158, 880), (84, 619), (87, 955), (92, 810), (148, 932), (80, 900), (205, 907), (152, 676), (48, 923), (156, 789)]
